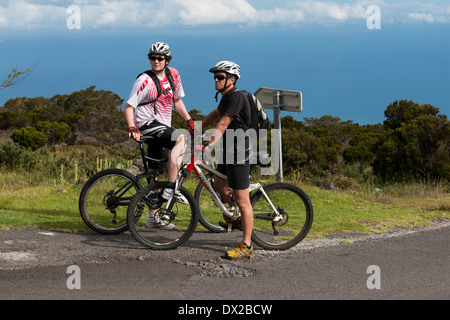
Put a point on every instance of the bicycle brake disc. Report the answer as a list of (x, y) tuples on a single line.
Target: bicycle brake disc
[(284, 218)]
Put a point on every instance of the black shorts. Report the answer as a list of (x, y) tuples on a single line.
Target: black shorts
[(237, 174), (159, 138)]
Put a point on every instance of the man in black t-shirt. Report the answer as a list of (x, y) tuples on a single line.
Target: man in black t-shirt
[(232, 115)]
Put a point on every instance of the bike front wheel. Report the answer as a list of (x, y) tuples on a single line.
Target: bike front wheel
[(209, 214), (172, 222), (296, 213), (104, 200)]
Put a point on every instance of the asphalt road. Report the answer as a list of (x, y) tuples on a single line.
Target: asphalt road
[(409, 264)]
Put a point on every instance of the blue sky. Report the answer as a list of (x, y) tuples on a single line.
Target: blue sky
[(322, 48)]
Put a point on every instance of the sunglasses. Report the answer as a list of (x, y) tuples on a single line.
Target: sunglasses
[(220, 77), (157, 58)]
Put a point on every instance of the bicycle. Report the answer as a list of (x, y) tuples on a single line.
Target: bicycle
[(105, 197), (283, 213)]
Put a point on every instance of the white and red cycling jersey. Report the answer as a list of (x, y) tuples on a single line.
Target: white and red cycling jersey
[(144, 89)]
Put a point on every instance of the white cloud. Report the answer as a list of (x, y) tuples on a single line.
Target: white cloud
[(26, 15), (426, 17), (51, 14), (430, 13), (214, 12)]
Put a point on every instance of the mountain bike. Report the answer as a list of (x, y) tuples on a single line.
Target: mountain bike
[(283, 213), (105, 197)]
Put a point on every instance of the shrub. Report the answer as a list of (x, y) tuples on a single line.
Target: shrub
[(29, 137), (55, 131)]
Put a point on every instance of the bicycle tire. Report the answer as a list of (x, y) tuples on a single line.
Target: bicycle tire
[(297, 211), (184, 217), (209, 214), (97, 202)]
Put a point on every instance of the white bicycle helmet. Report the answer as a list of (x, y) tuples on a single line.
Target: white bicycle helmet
[(228, 67), (160, 48)]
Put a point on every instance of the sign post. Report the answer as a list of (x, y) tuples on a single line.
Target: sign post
[(279, 100)]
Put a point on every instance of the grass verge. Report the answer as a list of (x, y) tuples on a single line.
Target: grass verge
[(55, 207)]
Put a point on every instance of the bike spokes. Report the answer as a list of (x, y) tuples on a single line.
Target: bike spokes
[(289, 224), (159, 224)]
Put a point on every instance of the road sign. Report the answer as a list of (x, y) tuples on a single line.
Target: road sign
[(279, 100), (286, 100)]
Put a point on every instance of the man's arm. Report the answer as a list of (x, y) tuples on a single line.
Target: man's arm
[(129, 118), (129, 115), (181, 109), (210, 118), (221, 126)]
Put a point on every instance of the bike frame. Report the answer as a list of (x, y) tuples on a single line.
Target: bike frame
[(197, 165), (148, 174)]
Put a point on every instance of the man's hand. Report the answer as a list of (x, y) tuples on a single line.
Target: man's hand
[(134, 133), (193, 127)]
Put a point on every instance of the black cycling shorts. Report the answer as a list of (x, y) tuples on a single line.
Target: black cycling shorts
[(237, 174), (159, 139)]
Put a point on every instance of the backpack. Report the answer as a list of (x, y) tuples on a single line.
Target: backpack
[(258, 116), (155, 79), (258, 120)]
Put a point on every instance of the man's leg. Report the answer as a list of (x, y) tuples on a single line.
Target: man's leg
[(221, 186), (239, 182), (175, 159), (242, 198), (245, 248)]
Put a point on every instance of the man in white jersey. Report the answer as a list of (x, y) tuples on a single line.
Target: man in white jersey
[(149, 114)]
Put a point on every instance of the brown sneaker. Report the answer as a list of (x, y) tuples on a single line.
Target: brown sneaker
[(241, 252)]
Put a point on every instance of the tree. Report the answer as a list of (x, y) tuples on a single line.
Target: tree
[(415, 144), (361, 145), (15, 77), (404, 111), (314, 146), (89, 100)]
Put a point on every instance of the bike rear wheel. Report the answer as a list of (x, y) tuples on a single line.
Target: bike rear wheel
[(297, 216), (178, 220), (104, 200)]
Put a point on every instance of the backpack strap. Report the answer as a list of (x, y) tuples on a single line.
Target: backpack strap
[(170, 78), (245, 125), (155, 79)]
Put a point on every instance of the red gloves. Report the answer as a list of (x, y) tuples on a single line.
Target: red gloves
[(192, 126), (132, 130)]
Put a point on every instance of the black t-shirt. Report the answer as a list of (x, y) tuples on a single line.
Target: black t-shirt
[(235, 103)]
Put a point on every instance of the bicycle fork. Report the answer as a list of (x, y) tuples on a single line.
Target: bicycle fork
[(182, 174)]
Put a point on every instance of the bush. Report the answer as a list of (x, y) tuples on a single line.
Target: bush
[(55, 131), (13, 155), (29, 137)]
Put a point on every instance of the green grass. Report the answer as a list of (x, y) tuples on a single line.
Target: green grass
[(39, 204), (41, 207), (358, 212)]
